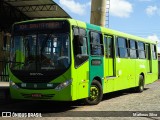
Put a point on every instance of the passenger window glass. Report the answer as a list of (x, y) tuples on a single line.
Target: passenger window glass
[(75, 31), (154, 52), (96, 43), (122, 51), (82, 32), (121, 42), (132, 50), (108, 46), (140, 46), (80, 46), (141, 50), (132, 44)]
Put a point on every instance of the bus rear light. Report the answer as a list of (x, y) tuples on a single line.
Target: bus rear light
[(63, 85)]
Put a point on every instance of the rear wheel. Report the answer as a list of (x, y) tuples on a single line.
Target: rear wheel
[(96, 93), (140, 88)]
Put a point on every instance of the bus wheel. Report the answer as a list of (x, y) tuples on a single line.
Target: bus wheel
[(140, 88), (96, 94)]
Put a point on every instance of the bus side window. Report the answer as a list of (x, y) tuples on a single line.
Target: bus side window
[(80, 46), (108, 40), (154, 52), (122, 51), (96, 43), (148, 51), (141, 50), (132, 50)]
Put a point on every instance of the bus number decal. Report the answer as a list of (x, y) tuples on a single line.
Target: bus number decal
[(96, 62)]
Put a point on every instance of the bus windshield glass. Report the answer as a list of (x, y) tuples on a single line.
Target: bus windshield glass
[(40, 48)]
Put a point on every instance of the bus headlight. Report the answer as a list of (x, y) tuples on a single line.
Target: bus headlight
[(13, 85), (63, 85)]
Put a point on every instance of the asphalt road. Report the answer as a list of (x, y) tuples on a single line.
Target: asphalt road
[(118, 105)]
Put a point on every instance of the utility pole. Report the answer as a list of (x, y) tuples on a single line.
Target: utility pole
[(98, 12)]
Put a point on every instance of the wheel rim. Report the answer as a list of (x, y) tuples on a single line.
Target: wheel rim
[(94, 93)]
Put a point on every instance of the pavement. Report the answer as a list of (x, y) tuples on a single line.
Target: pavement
[(4, 90), (4, 84), (121, 105)]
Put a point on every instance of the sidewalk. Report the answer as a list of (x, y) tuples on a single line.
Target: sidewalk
[(4, 84), (4, 90)]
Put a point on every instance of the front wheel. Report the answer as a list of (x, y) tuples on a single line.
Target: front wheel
[(96, 93)]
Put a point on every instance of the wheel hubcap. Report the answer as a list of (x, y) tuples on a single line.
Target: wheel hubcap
[(94, 93)]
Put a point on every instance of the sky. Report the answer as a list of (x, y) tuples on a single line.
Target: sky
[(137, 17)]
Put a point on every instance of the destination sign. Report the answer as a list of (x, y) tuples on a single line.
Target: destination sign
[(40, 26)]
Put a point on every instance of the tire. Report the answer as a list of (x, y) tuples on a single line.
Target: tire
[(140, 88), (96, 94)]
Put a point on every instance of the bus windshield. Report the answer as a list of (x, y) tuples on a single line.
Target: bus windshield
[(40, 51)]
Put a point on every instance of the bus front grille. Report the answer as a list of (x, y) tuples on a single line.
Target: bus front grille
[(37, 79)]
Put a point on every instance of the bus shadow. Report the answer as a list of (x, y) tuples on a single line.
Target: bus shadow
[(37, 106), (49, 107), (120, 93)]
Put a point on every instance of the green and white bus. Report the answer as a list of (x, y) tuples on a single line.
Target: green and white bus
[(66, 60)]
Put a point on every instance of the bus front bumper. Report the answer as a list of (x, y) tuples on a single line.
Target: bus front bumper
[(43, 94)]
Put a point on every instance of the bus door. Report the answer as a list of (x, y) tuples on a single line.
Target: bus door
[(148, 53), (109, 66), (96, 55)]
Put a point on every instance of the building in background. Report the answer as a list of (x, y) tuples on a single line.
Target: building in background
[(4, 54)]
